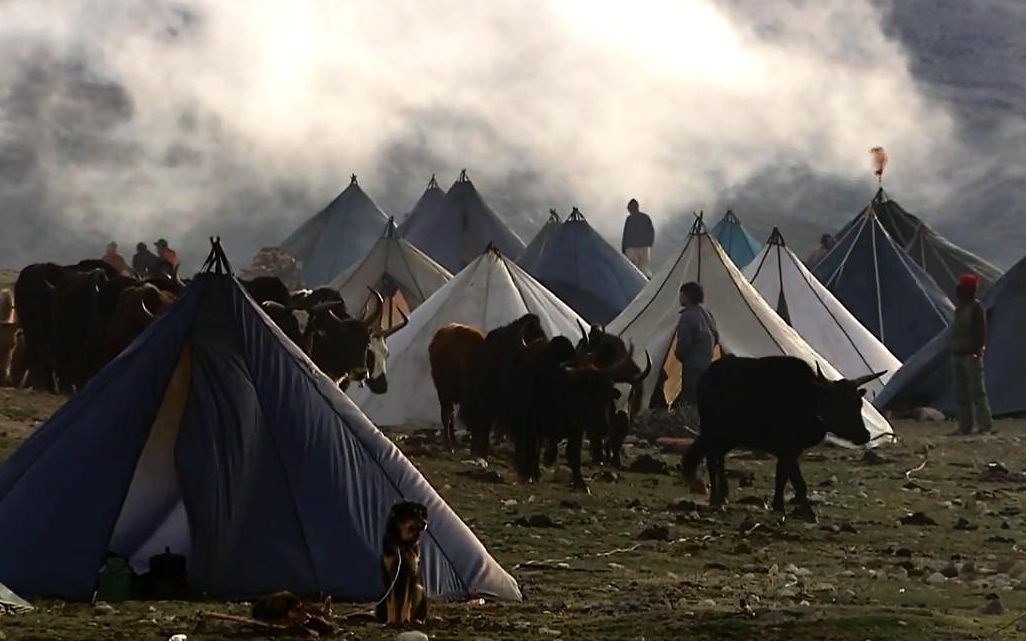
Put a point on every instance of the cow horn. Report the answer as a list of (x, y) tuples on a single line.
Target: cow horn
[(393, 330), (146, 310), (862, 380), (273, 304), (613, 369), (374, 318), (819, 372), (331, 312), (644, 374), (584, 332)]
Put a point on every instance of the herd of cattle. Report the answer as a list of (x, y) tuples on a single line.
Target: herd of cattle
[(538, 391), (69, 321)]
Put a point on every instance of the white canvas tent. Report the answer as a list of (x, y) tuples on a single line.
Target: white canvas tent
[(809, 307), (488, 293), (748, 326), (403, 274)]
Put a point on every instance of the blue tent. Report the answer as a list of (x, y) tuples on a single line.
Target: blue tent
[(576, 264), (883, 287), (338, 236), (460, 228), (534, 249), (735, 240), (925, 379), (213, 435), (430, 200)]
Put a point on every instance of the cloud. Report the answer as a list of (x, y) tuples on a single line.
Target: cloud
[(135, 119)]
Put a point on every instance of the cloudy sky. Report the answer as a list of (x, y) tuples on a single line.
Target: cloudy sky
[(133, 119)]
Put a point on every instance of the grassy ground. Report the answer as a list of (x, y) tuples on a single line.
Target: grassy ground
[(857, 574)]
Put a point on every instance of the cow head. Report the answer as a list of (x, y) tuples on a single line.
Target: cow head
[(839, 405), (377, 347)]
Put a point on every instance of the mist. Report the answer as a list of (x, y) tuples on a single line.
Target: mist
[(138, 119)]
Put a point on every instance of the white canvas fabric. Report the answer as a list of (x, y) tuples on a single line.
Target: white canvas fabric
[(488, 293), (415, 274), (748, 326), (809, 307)]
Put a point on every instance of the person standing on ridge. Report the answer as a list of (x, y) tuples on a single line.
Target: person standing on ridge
[(826, 243), (145, 263), (638, 238), (968, 342), (697, 338)]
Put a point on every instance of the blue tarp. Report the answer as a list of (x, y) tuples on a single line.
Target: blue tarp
[(883, 288), (285, 483), (338, 236), (925, 379), (576, 264), (735, 240)]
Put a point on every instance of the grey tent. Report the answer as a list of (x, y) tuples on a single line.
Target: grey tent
[(339, 235), (940, 258), (460, 228), (883, 287), (215, 436), (925, 379), (401, 273), (431, 199), (537, 245), (576, 264)]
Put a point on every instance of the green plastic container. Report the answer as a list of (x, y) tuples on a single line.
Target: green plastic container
[(114, 582)]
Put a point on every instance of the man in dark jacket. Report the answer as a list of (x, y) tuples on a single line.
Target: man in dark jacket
[(638, 237), (968, 341), (145, 263)]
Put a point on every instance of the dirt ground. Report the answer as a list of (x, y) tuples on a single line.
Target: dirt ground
[(589, 572)]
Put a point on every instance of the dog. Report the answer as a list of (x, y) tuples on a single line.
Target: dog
[(406, 600)]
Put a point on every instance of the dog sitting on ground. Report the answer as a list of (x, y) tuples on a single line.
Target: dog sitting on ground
[(406, 600)]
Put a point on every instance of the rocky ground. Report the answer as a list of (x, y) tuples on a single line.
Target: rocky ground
[(921, 540)]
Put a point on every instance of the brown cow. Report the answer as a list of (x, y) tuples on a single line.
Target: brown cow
[(77, 328), (452, 352), (136, 310)]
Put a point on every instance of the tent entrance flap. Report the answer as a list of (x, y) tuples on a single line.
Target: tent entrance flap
[(152, 516)]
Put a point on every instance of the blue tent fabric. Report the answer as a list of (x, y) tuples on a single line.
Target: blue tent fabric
[(735, 240), (456, 232), (925, 379), (884, 288), (285, 483), (429, 201), (576, 264), (939, 257), (337, 236), (536, 247)]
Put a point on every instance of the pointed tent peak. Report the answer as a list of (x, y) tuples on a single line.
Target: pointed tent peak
[(433, 183), (391, 229), (698, 227), (731, 217), (576, 216), (493, 249), (554, 216), (776, 238), (463, 177), (352, 179), (217, 261), (881, 196)]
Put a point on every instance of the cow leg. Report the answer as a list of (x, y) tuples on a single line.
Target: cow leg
[(621, 425), (721, 470), (801, 490), (574, 443), (715, 492), (780, 483), (598, 452), (448, 421), (551, 452), (689, 463)]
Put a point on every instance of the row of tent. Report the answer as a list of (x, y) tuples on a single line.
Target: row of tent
[(214, 436)]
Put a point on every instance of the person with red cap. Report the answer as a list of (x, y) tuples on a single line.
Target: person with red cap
[(968, 342)]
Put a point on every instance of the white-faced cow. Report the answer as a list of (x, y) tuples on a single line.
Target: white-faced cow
[(778, 405)]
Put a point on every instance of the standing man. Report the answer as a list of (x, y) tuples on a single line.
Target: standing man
[(145, 263), (696, 338), (167, 253), (638, 237), (968, 341)]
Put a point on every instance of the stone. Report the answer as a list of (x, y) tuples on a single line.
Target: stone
[(824, 587), (549, 632), (570, 505), (682, 505), (791, 568), (563, 474), (787, 592), (936, 579), (968, 568), (753, 501), (993, 605), (634, 504), (648, 464), (707, 603), (537, 520), (918, 518), (103, 609), (965, 525), (655, 533), (949, 571), (903, 553), (606, 476), (411, 635)]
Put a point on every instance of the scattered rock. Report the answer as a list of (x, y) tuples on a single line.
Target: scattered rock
[(411, 635), (993, 605), (634, 504), (563, 474), (791, 568), (824, 587), (655, 533), (103, 609), (968, 568), (830, 482), (872, 457), (606, 476), (787, 592), (537, 520), (903, 553), (995, 472), (510, 503), (918, 518), (483, 475), (549, 632), (708, 603), (648, 464), (949, 571), (1000, 539), (936, 579), (682, 505), (716, 566), (965, 525), (912, 486)]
